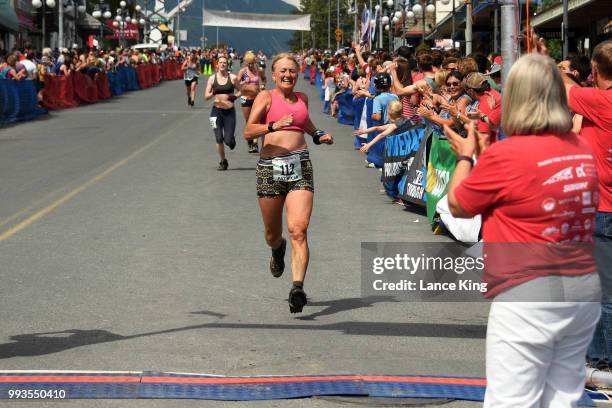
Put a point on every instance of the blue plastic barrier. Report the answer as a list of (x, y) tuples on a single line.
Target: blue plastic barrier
[(376, 152), (122, 78), (128, 78), (321, 91), (28, 104), (327, 107), (345, 107), (10, 105), (114, 82), (307, 73), (133, 84), (18, 101), (358, 105)]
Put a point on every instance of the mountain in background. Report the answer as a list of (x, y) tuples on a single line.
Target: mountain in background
[(242, 39)]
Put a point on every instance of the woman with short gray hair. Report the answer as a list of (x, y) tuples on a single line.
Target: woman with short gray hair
[(537, 193)]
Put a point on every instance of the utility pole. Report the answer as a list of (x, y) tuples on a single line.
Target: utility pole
[(509, 36), (355, 29), (60, 24), (337, 22), (178, 28), (496, 29), (468, 27), (329, 25), (453, 25), (370, 28), (380, 27), (564, 30), (203, 26)]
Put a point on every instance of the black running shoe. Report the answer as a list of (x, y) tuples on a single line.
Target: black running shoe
[(223, 165), (277, 261), (255, 148), (189, 101), (297, 299)]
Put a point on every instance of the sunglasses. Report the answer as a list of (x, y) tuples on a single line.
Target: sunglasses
[(453, 83)]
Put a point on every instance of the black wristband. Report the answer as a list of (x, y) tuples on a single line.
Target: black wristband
[(316, 136), (466, 158), (271, 127)]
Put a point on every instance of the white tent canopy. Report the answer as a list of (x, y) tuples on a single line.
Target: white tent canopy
[(294, 22)]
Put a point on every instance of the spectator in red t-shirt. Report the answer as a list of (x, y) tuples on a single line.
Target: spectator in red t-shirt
[(595, 106), (535, 190), (486, 108)]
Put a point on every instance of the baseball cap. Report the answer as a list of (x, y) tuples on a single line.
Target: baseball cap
[(475, 80)]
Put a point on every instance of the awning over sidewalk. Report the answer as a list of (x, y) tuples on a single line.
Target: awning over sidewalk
[(580, 12), (8, 17), (91, 24)]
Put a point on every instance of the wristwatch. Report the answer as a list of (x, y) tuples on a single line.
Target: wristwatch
[(271, 127)]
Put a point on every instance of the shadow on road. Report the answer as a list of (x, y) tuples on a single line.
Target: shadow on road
[(37, 344), (343, 305)]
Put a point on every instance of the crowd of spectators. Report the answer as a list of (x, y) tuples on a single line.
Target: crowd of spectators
[(517, 169), (30, 64)]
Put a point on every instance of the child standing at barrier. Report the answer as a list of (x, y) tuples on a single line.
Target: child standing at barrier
[(382, 82), (396, 120), (328, 86)]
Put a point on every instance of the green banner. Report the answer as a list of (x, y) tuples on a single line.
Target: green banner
[(440, 169)]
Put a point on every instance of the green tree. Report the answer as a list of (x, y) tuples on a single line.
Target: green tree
[(318, 10)]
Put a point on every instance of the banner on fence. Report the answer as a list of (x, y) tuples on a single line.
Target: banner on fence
[(440, 169), (412, 184), (400, 146)]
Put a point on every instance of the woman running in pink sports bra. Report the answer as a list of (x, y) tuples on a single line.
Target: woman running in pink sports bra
[(252, 81), (284, 172)]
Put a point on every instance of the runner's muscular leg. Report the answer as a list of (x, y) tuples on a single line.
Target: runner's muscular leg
[(272, 214), (299, 208), (194, 85)]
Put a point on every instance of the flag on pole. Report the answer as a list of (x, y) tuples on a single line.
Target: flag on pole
[(373, 26), (365, 25)]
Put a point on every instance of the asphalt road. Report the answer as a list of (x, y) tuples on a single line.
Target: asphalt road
[(121, 242)]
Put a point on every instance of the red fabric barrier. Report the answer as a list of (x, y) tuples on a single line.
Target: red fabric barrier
[(303, 68), (141, 76), (312, 75), (169, 71), (59, 92), (103, 86), (85, 89), (149, 75), (179, 71), (155, 73)]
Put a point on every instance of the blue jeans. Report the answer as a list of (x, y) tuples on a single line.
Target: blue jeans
[(601, 346)]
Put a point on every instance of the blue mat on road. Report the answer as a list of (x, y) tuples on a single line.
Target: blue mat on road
[(150, 384)]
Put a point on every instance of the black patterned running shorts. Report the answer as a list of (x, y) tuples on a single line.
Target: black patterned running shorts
[(268, 187)]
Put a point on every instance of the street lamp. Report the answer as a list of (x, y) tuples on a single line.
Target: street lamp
[(99, 14), (37, 4), (178, 26), (384, 19), (419, 10)]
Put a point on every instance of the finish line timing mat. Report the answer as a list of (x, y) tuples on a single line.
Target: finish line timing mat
[(161, 385)]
